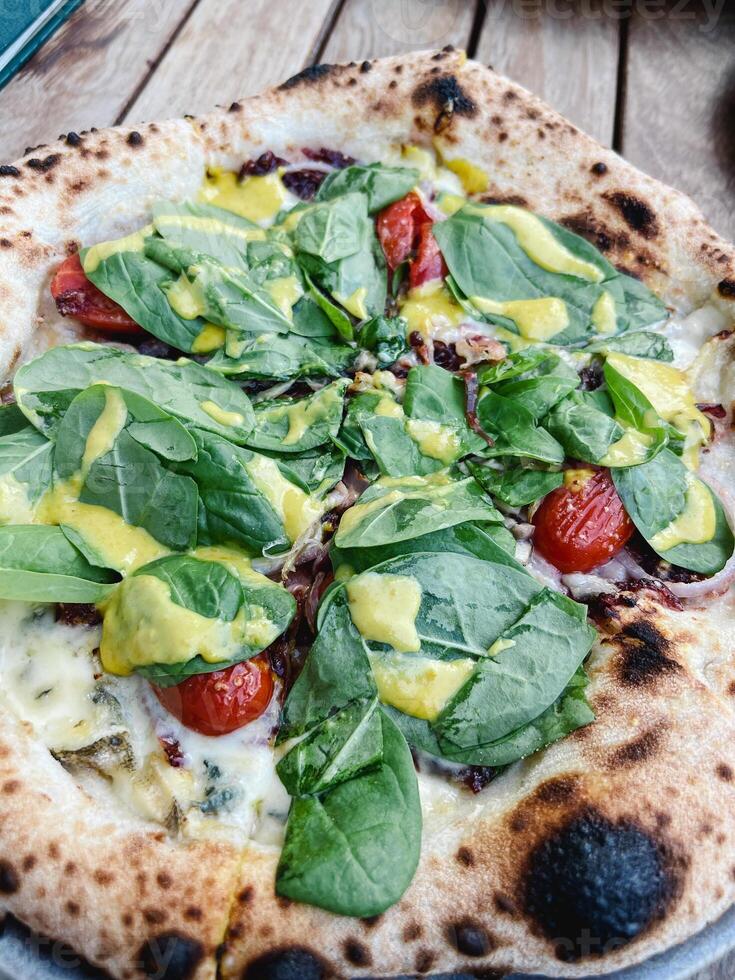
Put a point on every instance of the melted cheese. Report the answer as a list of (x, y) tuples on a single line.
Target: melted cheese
[(695, 525), (296, 509), (220, 415), (258, 199), (15, 507), (384, 609), (539, 242), (419, 686), (429, 307), (130, 243), (537, 319)]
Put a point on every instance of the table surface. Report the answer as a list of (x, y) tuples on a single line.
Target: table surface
[(654, 80)]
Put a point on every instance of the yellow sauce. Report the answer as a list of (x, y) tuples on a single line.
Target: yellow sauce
[(285, 293), (575, 480), (434, 439), (629, 450), (258, 199), (356, 514), (499, 646), (105, 430), (210, 226), (431, 306), (130, 243), (296, 509), (474, 179), (211, 337), (536, 319), (418, 686), (185, 298), (384, 609), (221, 416), (604, 318), (302, 415), (354, 303), (450, 203), (695, 525)]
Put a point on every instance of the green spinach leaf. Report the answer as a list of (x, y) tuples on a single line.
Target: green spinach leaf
[(515, 433), (516, 487), (294, 425), (583, 429), (26, 456), (638, 343), (381, 184), (385, 337)]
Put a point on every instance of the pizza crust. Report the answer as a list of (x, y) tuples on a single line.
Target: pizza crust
[(644, 796)]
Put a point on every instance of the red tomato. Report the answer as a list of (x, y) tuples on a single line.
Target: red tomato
[(582, 524), (398, 227), (220, 702), (429, 263), (76, 296)]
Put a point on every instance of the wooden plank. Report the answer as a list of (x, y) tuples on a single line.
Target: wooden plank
[(371, 28), (229, 49), (86, 73), (679, 107), (571, 65)]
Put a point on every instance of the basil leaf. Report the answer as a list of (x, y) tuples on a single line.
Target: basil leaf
[(46, 386), (585, 432), (518, 487), (276, 357), (385, 337), (331, 230), (342, 746), (640, 343), (354, 850), (385, 514), (514, 430), (335, 673), (11, 420), (381, 184), (205, 587), (505, 692), (39, 564), (26, 456), (293, 425)]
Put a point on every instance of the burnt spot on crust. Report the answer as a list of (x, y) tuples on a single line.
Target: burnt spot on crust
[(9, 879), (234, 107), (598, 169), (134, 138), (43, 165), (294, 963), (73, 139), (638, 750), (514, 199), (412, 932), (8, 170), (465, 857), (370, 921), (357, 953), (309, 76), (594, 885), (469, 938), (636, 213), (724, 772), (447, 96), (644, 655), (726, 288), (557, 791), (424, 960), (365, 67), (170, 956), (504, 905), (584, 224)]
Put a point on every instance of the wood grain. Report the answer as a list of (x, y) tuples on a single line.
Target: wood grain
[(229, 49), (572, 64), (86, 73), (371, 28), (679, 112)]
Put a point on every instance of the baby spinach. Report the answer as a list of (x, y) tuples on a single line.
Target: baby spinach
[(339, 748), (514, 431), (315, 317), (11, 420), (293, 425), (314, 471), (536, 379), (632, 408), (331, 230), (205, 587), (546, 645), (276, 357), (26, 456), (516, 487), (205, 228), (46, 386), (39, 564), (335, 314), (354, 849), (381, 184), (638, 343), (584, 430), (385, 337), (395, 513)]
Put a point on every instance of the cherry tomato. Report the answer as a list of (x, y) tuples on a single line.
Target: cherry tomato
[(77, 297), (219, 702), (583, 523), (398, 227), (429, 263)]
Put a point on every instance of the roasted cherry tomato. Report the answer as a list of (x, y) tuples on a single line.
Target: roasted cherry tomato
[(583, 523), (220, 702), (77, 297), (429, 263), (398, 228)]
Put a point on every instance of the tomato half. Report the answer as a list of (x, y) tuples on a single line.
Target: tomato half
[(222, 701), (398, 227), (79, 298), (583, 523), (429, 263)]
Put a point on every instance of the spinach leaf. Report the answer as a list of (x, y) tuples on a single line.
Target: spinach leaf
[(583, 429), (314, 471), (46, 386), (335, 673), (205, 228), (393, 449), (531, 362), (545, 648), (39, 564), (514, 430), (342, 746), (381, 184), (276, 357), (516, 487), (231, 510), (336, 316), (293, 425), (385, 337), (386, 513), (11, 420), (639, 343), (537, 379), (435, 395), (634, 410), (205, 587), (331, 230), (311, 319), (354, 850), (27, 457), (710, 557)]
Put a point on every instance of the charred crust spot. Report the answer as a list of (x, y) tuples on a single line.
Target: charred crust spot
[(70, 868), (504, 905), (598, 169), (45, 164), (11, 786), (636, 213), (424, 960), (310, 76), (103, 877), (134, 138), (365, 67), (193, 913), (593, 885), (356, 953), (465, 857), (731, 689), (391, 84), (469, 938), (53, 850), (502, 137), (556, 791), (644, 655), (294, 963), (154, 917), (638, 750), (246, 895), (9, 880), (447, 96), (726, 288), (509, 95), (583, 223), (170, 956), (72, 908), (73, 139), (8, 170), (411, 932), (164, 880), (370, 921), (515, 199), (724, 772), (234, 107), (29, 862)]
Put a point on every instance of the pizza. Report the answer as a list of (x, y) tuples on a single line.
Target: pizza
[(365, 540)]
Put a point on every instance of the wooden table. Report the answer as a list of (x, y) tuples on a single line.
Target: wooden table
[(656, 81)]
